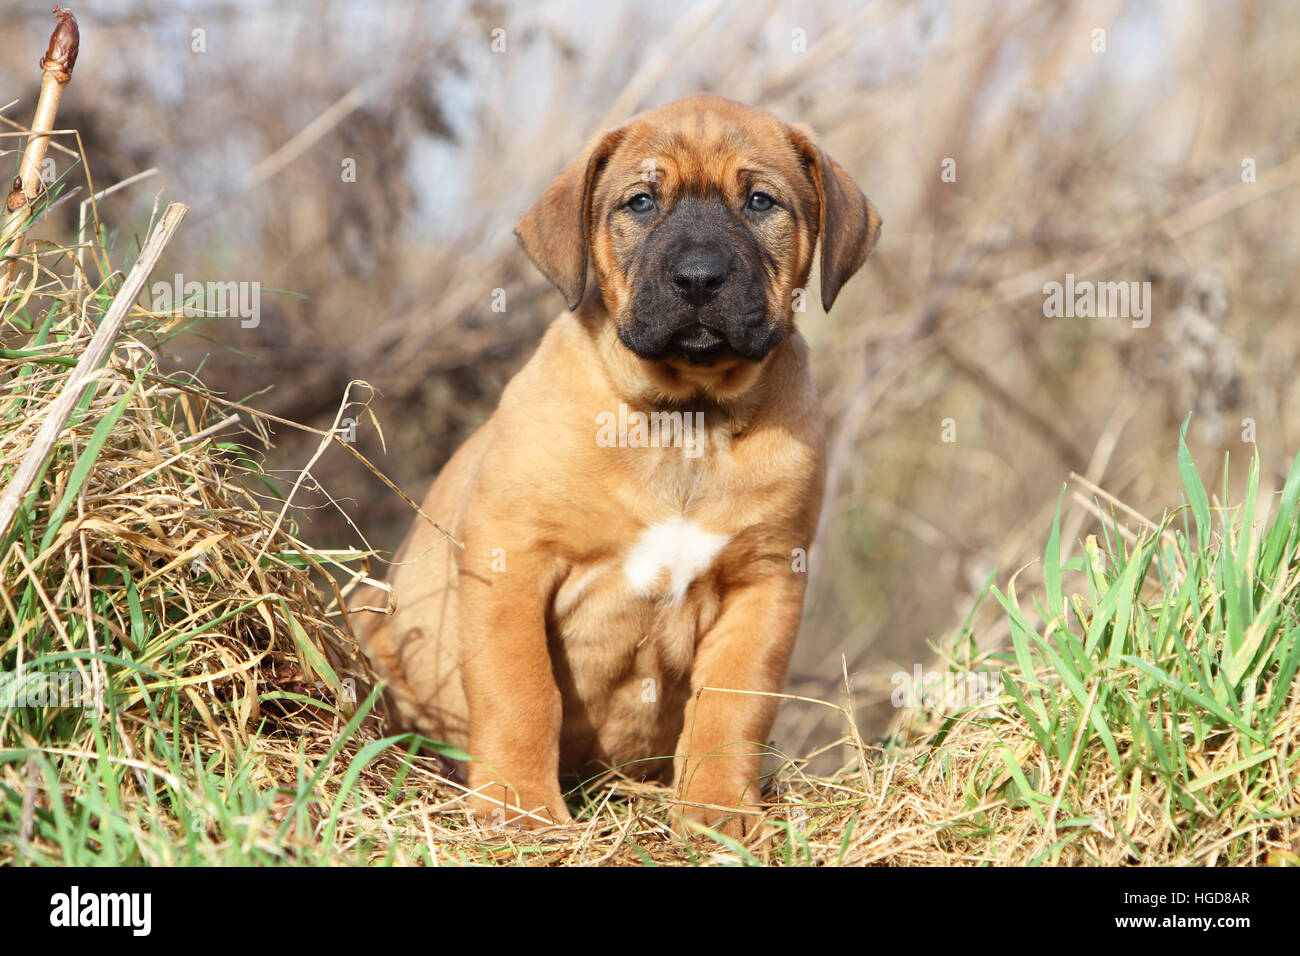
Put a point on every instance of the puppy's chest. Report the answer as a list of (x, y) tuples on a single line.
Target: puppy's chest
[(645, 606), (651, 586), (624, 631), (626, 619)]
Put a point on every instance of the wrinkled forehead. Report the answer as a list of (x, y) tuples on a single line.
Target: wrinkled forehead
[(702, 150)]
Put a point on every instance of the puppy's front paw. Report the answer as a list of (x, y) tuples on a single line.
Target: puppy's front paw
[(499, 805), (724, 813)]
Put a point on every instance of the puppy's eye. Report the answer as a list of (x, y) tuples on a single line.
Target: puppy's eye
[(641, 202), (760, 202)]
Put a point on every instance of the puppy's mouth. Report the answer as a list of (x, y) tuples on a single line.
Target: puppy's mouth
[(706, 341), (698, 344)]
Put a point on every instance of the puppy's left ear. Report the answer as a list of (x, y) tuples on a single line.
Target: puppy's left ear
[(849, 225), (555, 231)]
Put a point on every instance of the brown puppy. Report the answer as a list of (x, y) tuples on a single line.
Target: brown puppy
[(635, 512)]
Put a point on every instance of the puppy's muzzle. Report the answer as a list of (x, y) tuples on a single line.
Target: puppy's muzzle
[(702, 297), (697, 277)]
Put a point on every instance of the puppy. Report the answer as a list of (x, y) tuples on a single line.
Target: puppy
[(636, 513)]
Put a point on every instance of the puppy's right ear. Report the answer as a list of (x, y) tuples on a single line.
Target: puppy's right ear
[(555, 231)]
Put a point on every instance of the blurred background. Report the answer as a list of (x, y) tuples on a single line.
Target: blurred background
[(370, 160)]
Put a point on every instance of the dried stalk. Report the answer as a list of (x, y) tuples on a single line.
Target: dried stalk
[(56, 68)]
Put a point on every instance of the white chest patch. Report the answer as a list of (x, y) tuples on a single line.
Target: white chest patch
[(681, 546)]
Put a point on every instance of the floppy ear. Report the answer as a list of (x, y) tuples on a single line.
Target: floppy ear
[(554, 232), (849, 225)]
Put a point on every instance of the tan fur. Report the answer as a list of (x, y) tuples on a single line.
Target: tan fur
[(555, 662)]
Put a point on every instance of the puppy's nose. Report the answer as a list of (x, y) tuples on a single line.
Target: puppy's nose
[(699, 275)]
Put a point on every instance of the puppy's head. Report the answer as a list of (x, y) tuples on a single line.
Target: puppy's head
[(698, 222)]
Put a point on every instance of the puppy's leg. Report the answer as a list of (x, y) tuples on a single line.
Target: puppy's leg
[(719, 753), (515, 710)]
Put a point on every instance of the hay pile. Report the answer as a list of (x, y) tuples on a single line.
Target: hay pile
[(145, 537), (146, 564)]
